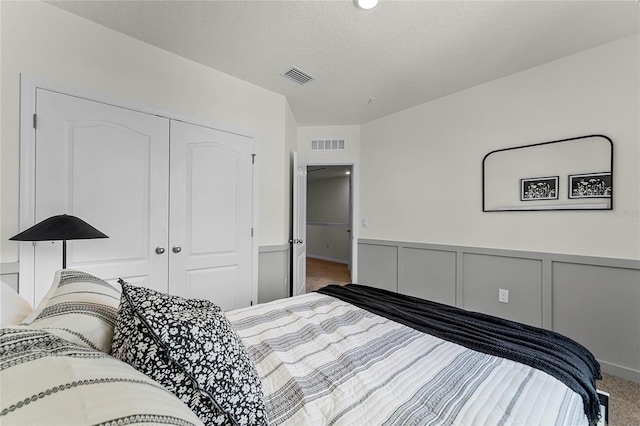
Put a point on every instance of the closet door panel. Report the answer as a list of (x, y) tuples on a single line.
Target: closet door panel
[(211, 215), (110, 167), (213, 284), (123, 164), (213, 170)]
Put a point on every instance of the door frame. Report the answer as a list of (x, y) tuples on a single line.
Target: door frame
[(27, 169), (355, 194)]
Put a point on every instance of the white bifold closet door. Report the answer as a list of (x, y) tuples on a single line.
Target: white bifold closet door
[(109, 166), (211, 215), (174, 198)]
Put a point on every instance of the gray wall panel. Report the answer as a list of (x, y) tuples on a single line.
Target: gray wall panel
[(9, 274), (599, 307), (484, 275), (378, 266), (429, 274), (594, 300), (273, 273)]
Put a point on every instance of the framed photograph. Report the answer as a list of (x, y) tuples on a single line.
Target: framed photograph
[(541, 188), (590, 185)]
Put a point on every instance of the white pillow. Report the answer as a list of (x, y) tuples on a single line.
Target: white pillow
[(49, 380), (14, 307), (80, 308)]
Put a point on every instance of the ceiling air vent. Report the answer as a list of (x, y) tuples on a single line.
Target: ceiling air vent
[(297, 75), (324, 144)]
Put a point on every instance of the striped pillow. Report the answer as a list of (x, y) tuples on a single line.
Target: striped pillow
[(49, 380), (80, 308)]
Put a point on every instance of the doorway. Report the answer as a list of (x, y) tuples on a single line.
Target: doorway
[(299, 218), (329, 225)]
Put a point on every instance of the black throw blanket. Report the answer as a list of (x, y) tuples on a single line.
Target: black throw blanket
[(545, 350)]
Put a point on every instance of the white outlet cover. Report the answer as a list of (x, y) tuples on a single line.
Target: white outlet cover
[(503, 295)]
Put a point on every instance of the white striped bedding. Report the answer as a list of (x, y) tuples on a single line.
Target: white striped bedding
[(324, 362)]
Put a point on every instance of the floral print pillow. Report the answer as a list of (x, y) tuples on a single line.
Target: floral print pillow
[(189, 346)]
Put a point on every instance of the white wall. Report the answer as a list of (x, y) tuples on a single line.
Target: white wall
[(49, 44), (421, 168)]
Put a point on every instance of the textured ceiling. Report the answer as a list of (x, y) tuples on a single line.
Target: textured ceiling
[(402, 53)]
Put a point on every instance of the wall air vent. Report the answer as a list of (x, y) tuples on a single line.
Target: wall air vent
[(324, 144), (297, 75)]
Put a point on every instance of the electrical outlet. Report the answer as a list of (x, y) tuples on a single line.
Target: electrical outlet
[(365, 222), (503, 295)]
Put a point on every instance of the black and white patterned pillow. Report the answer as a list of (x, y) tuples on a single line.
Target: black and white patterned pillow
[(189, 346), (78, 307)]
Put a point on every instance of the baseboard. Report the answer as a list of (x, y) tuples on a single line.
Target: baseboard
[(328, 259), (620, 371)]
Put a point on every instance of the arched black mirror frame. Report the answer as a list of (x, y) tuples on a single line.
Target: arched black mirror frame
[(610, 206)]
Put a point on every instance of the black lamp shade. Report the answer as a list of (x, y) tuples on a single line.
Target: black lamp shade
[(61, 227)]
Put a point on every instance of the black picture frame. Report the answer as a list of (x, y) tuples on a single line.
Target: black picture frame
[(591, 185), (539, 188)]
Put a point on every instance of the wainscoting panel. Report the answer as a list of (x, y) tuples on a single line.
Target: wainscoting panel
[(593, 300), (273, 272), (378, 266), (429, 274), (9, 274), (599, 306), (485, 275)]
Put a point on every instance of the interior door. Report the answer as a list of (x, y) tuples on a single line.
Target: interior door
[(211, 235), (299, 245), (110, 167)]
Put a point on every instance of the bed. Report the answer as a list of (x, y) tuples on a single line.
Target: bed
[(350, 355)]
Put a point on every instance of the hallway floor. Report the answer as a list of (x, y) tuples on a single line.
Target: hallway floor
[(322, 272)]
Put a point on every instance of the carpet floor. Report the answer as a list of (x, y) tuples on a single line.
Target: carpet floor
[(322, 272), (624, 399)]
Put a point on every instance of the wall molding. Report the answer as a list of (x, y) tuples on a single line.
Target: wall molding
[(594, 300)]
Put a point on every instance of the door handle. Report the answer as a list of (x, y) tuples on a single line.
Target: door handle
[(159, 250), (176, 249)]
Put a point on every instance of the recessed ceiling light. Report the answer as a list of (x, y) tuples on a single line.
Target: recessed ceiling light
[(366, 4)]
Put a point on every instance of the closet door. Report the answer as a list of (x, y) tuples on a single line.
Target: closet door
[(110, 167), (211, 215)]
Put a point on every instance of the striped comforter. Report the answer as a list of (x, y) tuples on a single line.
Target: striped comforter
[(323, 361)]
